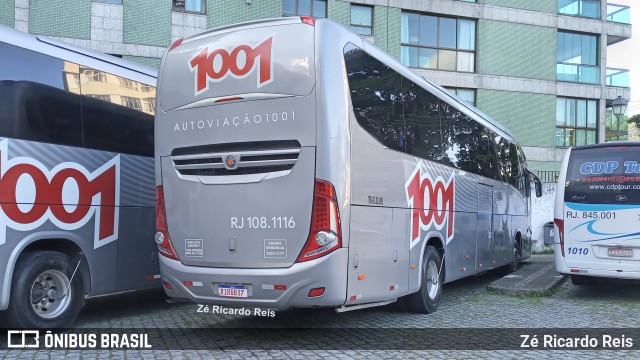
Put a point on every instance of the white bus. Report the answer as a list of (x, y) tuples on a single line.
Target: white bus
[(76, 179), (297, 165), (597, 212)]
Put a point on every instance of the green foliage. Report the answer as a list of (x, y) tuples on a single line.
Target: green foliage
[(635, 119), (611, 126)]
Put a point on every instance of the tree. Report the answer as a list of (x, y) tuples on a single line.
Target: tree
[(611, 126), (634, 131), (635, 119)]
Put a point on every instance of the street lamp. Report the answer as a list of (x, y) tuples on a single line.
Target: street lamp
[(619, 106)]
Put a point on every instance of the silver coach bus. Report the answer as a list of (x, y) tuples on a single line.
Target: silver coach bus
[(76, 179), (297, 165)]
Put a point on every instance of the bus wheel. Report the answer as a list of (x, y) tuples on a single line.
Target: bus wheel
[(517, 257), (427, 298), (581, 280), (42, 292)]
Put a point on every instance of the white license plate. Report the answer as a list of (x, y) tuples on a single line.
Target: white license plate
[(620, 252), (239, 291)]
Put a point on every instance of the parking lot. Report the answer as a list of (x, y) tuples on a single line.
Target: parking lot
[(469, 319)]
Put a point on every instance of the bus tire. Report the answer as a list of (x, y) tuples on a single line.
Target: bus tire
[(38, 288), (582, 280), (427, 298), (517, 257)]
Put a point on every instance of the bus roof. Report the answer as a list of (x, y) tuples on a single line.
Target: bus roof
[(87, 57), (610, 144), (244, 25)]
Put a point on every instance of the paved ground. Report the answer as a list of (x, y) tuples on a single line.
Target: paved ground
[(537, 278), (465, 304)]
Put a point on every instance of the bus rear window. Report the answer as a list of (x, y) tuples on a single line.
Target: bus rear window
[(604, 175)]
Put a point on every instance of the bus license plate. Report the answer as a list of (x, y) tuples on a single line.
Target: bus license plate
[(239, 291), (620, 252)]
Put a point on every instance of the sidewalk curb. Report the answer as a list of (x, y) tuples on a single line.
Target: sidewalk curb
[(535, 278)]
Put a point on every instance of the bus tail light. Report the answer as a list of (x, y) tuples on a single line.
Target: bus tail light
[(325, 234), (560, 224), (309, 20), (162, 234), (176, 43)]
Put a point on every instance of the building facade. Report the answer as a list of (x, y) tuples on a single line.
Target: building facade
[(538, 67)]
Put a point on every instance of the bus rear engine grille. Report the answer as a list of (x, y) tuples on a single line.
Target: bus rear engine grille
[(247, 162)]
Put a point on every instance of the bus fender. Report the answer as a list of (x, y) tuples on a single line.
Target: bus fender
[(5, 289)]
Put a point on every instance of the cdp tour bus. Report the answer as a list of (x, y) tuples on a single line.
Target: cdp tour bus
[(597, 212), (297, 165), (76, 179)]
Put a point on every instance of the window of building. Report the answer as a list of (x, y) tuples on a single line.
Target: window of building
[(130, 102), (150, 105), (117, 2), (581, 8), (578, 58), (127, 83), (317, 8), (94, 75), (576, 122), (194, 6), (434, 42), (362, 19), (101, 97), (468, 95), (75, 78)]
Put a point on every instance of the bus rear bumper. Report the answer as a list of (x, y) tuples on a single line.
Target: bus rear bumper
[(589, 270), (265, 287)]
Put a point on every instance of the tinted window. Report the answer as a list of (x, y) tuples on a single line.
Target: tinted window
[(50, 100), (483, 156), (20, 64), (422, 121), (110, 127), (607, 175), (44, 113), (376, 94), (459, 134), (6, 93), (405, 117)]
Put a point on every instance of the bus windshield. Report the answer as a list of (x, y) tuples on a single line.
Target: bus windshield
[(604, 175)]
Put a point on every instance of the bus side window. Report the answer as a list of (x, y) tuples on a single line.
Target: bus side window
[(115, 128), (6, 107), (422, 118), (47, 114)]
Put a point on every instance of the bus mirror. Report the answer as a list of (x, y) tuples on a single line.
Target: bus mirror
[(538, 186), (536, 181)]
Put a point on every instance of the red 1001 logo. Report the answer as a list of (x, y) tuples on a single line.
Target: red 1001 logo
[(68, 195), (432, 202), (214, 66)]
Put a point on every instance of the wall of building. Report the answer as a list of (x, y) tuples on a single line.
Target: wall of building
[(226, 12), (147, 22), (339, 11), (542, 213), (68, 18), (500, 50), (530, 117), (548, 6), (7, 12)]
